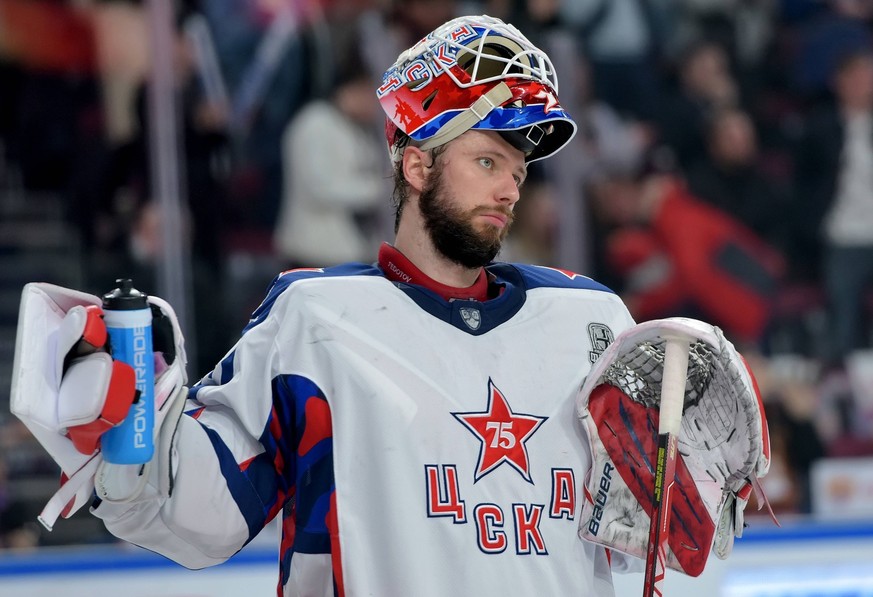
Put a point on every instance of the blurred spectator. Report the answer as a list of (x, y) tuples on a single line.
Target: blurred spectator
[(610, 141), (205, 148), (397, 25), (622, 40), (792, 403), (605, 142), (113, 171), (839, 28), (799, 11), (533, 17), (54, 41), (728, 176), (533, 236), (139, 261), (704, 85), (678, 256), (745, 28), (271, 62), (834, 214), (335, 176), (416, 18)]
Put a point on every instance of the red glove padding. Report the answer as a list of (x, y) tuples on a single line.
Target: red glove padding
[(90, 378), (120, 393)]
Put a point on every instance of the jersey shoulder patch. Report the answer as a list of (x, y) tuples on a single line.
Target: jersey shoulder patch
[(539, 276), (288, 278)]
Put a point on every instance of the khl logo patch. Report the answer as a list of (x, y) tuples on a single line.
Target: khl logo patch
[(601, 337), (472, 317)]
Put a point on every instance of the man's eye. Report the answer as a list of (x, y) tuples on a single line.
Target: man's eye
[(486, 162)]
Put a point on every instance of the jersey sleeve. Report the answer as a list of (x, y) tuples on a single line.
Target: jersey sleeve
[(235, 449)]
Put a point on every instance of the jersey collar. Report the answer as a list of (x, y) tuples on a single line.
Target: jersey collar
[(398, 268)]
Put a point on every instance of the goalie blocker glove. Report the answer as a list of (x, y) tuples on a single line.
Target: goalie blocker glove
[(723, 444), (68, 391)]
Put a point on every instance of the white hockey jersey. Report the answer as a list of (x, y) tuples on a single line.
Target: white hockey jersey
[(416, 446)]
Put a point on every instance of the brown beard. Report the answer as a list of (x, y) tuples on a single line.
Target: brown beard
[(451, 230)]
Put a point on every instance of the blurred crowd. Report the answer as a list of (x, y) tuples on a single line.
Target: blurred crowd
[(723, 166)]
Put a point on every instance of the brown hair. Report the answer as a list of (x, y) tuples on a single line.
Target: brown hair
[(401, 186)]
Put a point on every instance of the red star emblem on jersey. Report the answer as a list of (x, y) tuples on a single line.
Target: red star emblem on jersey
[(502, 434)]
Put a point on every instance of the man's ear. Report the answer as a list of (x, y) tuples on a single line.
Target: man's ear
[(415, 167)]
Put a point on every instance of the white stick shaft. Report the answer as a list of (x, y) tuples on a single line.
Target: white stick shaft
[(673, 385), (669, 423)]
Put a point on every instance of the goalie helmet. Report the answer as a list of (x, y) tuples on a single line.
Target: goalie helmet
[(474, 73)]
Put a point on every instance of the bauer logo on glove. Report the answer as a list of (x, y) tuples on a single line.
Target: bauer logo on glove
[(723, 444)]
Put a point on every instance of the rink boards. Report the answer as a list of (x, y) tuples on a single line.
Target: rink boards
[(801, 559)]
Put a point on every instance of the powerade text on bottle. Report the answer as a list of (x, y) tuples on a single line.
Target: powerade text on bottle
[(128, 320)]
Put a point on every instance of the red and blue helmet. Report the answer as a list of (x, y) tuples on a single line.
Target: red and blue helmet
[(474, 73)]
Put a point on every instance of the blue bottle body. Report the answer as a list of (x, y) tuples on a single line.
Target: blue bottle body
[(130, 338)]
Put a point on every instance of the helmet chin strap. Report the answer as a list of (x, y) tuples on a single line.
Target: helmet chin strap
[(495, 96)]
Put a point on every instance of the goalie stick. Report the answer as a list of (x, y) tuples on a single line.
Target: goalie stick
[(669, 422)]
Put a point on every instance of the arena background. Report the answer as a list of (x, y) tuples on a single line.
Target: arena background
[(145, 139)]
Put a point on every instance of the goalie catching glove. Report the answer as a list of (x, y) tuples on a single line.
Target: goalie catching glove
[(723, 444), (68, 391)]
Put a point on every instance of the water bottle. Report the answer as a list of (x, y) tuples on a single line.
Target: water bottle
[(128, 320)]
